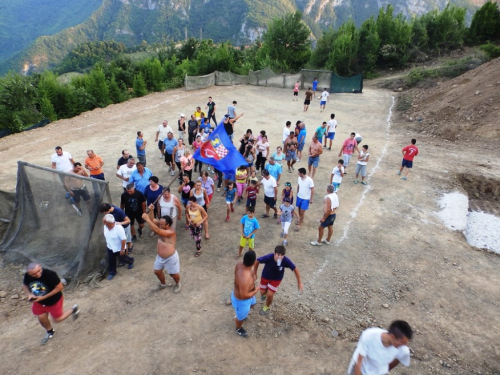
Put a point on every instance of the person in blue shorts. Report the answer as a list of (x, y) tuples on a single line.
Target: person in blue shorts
[(249, 225), (243, 295), (331, 129), (272, 275), (315, 86), (305, 194), (324, 99)]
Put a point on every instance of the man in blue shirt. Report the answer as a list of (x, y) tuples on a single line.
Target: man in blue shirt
[(140, 146), (315, 86), (272, 274), (274, 169), (167, 150), (301, 139), (249, 226), (140, 177)]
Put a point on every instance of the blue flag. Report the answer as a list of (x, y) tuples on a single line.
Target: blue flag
[(219, 151)]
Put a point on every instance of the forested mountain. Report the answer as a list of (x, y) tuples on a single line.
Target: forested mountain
[(22, 21), (134, 21)]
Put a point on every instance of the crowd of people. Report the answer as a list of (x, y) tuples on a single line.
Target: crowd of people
[(145, 201)]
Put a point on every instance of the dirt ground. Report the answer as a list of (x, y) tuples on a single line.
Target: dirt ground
[(391, 257)]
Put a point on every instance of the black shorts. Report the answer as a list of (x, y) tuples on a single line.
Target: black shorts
[(82, 192), (329, 221), (133, 216), (160, 144), (307, 102), (295, 93), (269, 201), (168, 158)]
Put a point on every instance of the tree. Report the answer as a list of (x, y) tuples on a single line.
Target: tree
[(287, 42), (485, 25), (18, 99), (369, 44), (395, 35), (98, 87), (47, 109), (446, 29), (343, 56), (139, 86)]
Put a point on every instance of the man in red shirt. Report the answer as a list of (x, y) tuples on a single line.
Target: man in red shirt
[(409, 152)]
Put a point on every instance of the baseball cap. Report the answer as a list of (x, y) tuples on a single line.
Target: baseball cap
[(183, 115), (288, 184)]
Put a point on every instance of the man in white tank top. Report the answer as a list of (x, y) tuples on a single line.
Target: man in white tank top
[(170, 205), (329, 208)]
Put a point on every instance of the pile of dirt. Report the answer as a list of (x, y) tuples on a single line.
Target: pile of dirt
[(466, 107)]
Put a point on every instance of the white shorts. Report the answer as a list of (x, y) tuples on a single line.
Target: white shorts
[(347, 159), (171, 264), (285, 226), (128, 233)]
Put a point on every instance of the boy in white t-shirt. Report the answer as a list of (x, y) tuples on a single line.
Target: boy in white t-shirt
[(337, 174), (379, 351), (363, 158), (323, 99)]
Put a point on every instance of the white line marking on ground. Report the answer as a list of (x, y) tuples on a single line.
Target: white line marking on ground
[(354, 212)]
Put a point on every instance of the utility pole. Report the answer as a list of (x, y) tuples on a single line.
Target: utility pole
[(186, 32), (201, 33)]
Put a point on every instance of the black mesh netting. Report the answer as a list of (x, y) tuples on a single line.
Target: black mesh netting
[(45, 226)]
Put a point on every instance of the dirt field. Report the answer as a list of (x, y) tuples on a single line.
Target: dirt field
[(391, 257)]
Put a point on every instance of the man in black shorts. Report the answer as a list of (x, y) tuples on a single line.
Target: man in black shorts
[(330, 205), (77, 188), (211, 110), (134, 205), (307, 101)]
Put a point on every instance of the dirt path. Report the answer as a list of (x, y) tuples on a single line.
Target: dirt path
[(391, 258)]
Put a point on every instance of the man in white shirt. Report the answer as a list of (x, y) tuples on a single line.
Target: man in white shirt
[(331, 128), (62, 161), (286, 131), (115, 243), (270, 192), (305, 194), (330, 207), (161, 134), (379, 351), (125, 171), (324, 99)]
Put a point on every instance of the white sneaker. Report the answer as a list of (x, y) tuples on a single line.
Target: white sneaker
[(172, 173), (161, 156), (208, 168), (325, 242), (315, 243)]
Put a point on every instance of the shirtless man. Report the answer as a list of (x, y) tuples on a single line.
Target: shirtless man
[(290, 150), (77, 188), (315, 150), (167, 256), (243, 295)]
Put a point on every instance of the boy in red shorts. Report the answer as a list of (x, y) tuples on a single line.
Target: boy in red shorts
[(272, 274), (409, 152), (44, 290)]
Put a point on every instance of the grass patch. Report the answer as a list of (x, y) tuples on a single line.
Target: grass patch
[(67, 77), (404, 103), (449, 69), (140, 56)]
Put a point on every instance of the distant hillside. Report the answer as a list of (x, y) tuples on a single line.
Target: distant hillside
[(240, 21), (22, 21)]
